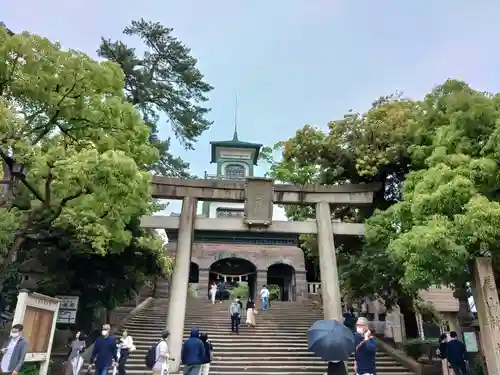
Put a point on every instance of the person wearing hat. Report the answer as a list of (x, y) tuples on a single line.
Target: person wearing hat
[(366, 349)]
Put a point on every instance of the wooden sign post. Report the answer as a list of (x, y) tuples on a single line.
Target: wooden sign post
[(38, 314)]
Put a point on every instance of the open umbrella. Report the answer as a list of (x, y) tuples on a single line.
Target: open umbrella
[(330, 340)]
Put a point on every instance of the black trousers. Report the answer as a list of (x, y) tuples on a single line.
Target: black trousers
[(221, 296), (235, 323), (459, 368), (338, 368), (124, 353)]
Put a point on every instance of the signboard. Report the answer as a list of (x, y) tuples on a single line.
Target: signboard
[(234, 155), (37, 313), (66, 317), (68, 309), (259, 194), (470, 341), (68, 302)]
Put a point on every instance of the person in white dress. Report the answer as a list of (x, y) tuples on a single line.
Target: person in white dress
[(162, 355), (213, 291)]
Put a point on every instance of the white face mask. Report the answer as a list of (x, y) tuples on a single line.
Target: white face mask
[(104, 332), (14, 334), (360, 330)]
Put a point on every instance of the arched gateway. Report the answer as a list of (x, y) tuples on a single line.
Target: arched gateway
[(282, 276), (232, 272)]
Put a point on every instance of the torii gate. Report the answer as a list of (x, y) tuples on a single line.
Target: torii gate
[(259, 195)]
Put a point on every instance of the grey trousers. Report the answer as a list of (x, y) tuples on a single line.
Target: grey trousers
[(192, 370)]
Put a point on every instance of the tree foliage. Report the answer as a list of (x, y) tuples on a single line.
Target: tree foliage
[(449, 211), (358, 148), (163, 83), (436, 161), (101, 281), (84, 148)]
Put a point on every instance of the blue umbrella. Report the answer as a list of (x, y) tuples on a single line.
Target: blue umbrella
[(330, 340)]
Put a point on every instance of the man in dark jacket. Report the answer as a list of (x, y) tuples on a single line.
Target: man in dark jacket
[(222, 290), (193, 353), (456, 354), (366, 349), (350, 320), (104, 353)]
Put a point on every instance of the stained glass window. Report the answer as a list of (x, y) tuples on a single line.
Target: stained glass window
[(234, 171)]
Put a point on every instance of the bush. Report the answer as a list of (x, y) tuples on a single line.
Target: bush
[(418, 348), (242, 290), (30, 368), (274, 292), (476, 364)]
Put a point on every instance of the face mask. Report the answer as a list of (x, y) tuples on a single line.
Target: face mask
[(14, 334), (360, 330), (104, 332)]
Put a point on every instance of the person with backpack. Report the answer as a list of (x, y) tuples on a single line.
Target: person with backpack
[(193, 353), (235, 311), (205, 368), (157, 356)]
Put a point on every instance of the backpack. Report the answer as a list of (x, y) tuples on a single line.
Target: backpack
[(211, 348), (150, 358)]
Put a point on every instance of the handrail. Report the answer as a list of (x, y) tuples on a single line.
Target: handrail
[(88, 352), (402, 358)]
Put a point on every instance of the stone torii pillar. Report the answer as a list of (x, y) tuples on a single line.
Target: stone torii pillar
[(330, 288), (488, 311), (180, 280)]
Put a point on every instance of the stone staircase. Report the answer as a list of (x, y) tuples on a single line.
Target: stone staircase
[(277, 346)]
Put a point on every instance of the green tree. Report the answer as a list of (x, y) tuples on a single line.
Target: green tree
[(83, 147), (163, 83), (449, 212), (358, 148), (102, 281), (438, 207)]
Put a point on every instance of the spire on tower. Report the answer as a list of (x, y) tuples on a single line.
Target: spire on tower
[(235, 135)]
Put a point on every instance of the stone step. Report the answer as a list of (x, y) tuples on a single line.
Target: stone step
[(268, 342), (219, 327), (277, 346), (224, 319), (224, 314), (278, 372), (273, 366), (282, 359)]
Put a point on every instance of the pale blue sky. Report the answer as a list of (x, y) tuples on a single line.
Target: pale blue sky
[(293, 62)]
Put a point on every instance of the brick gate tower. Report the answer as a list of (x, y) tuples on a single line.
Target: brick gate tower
[(252, 257)]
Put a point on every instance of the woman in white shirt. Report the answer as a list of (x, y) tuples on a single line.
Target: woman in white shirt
[(125, 346), (213, 291), (161, 365)]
